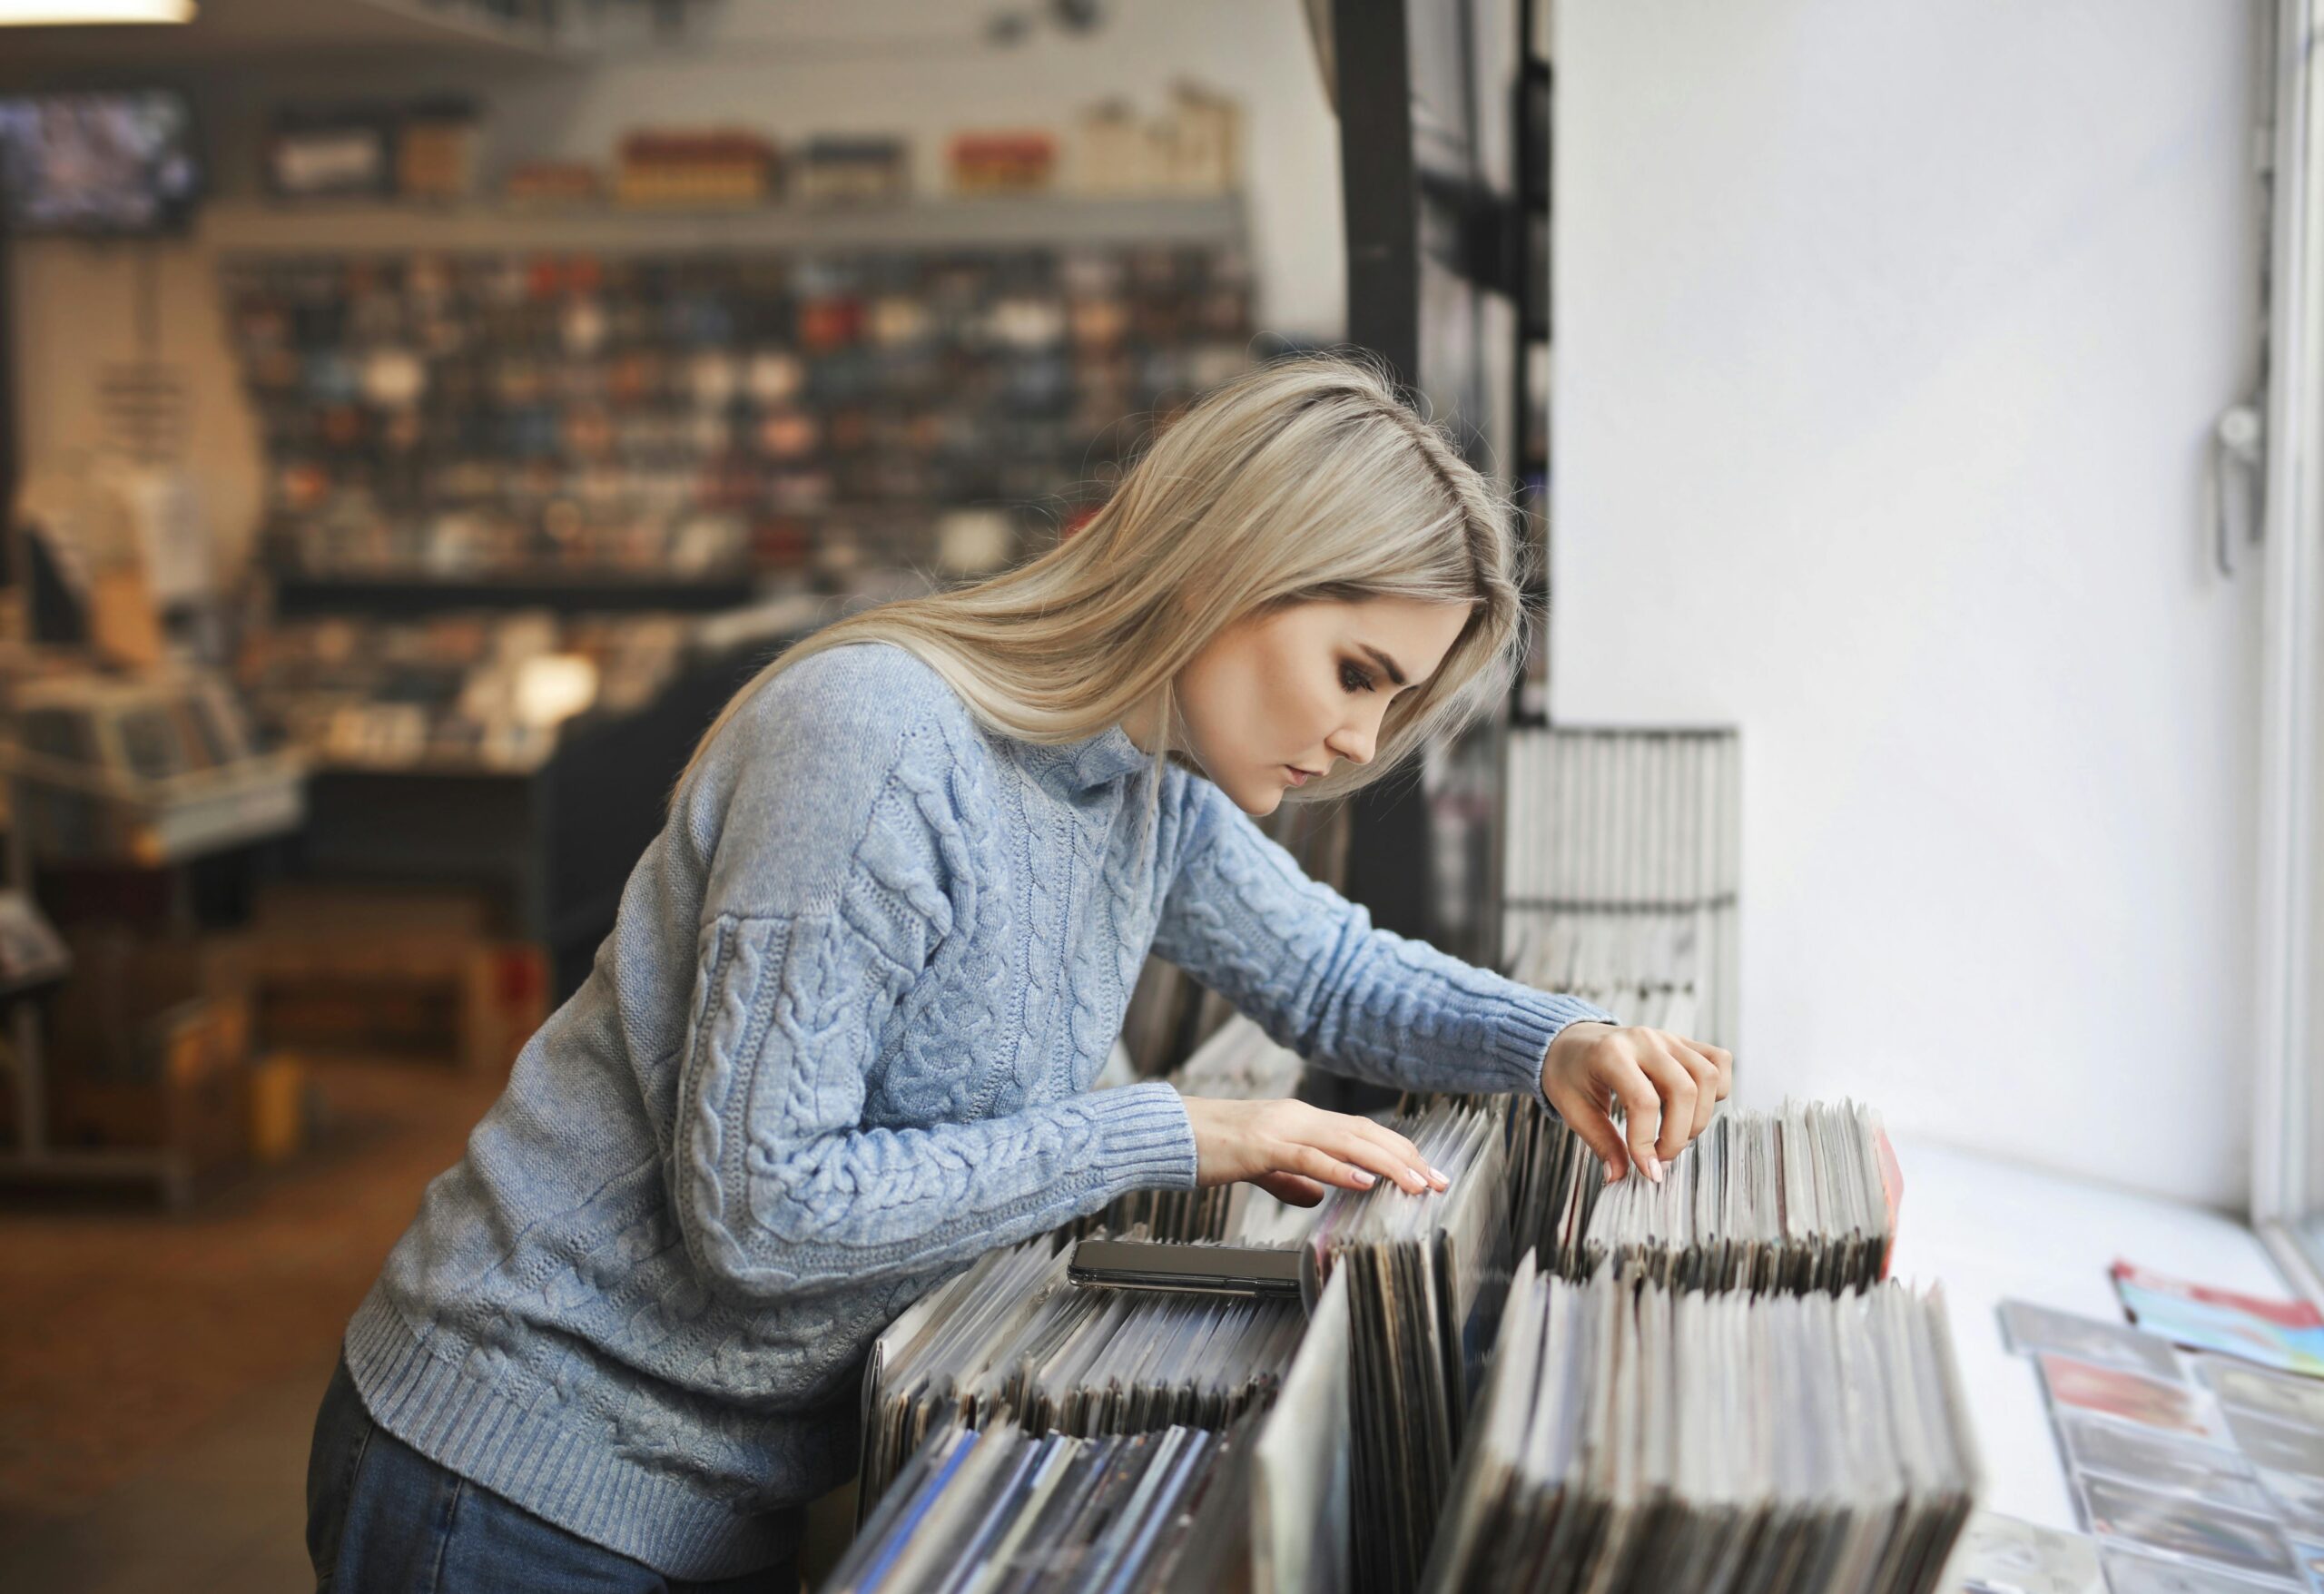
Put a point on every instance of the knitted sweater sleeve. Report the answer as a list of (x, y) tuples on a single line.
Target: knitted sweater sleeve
[(1308, 966), (840, 869)]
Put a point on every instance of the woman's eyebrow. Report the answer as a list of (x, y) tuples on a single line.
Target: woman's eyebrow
[(1385, 662)]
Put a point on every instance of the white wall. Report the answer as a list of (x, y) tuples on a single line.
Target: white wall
[(1889, 336), (790, 68)]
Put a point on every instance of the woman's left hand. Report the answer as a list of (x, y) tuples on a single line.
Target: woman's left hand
[(1667, 1087)]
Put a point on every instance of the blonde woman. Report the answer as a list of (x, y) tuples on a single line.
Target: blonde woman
[(840, 1039)]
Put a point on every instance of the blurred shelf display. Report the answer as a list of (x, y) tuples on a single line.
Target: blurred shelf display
[(506, 533), (566, 590), (680, 421), (1029, 221), (145, 770), (422, 151), (551, 844), (458, 691)]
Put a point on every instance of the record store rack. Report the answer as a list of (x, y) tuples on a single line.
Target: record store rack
[(1534, 1381)]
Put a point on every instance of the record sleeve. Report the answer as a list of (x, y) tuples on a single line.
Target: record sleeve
[(2185, 1529), (2161, 1460), (2027, 1327), (2134, 1397), (2129, 1572)]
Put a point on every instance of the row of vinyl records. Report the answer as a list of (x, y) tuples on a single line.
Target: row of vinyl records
[(1704, 1385), (1620, 872), (1748, 1201)]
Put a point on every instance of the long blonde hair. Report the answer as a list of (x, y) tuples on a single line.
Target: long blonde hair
[(1305, 479)]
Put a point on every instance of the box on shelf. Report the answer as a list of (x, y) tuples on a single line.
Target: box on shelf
[(682, 167), (1018, 160), (436, 150), (423, 150), (339, 152), (194, 1104), (1205, 133), (147, 1045), (1193, 147), (852, 171)]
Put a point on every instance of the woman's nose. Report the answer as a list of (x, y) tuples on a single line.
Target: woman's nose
[(1355, 744)]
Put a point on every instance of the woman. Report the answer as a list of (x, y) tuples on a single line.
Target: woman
[(840, 1040)]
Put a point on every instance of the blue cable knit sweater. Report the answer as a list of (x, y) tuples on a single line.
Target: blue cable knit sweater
[(838, 1044)]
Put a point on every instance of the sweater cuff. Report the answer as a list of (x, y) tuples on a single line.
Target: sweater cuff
[(1145, 1139), (1526, 1027)]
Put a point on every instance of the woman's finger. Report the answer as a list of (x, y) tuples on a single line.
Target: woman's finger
[(1397, 1146), (1314, 1163), (1720, 1060), (1706, 1077), (1723, 1060), (1642, 1113), (1351, 1145), (1675, 1087), (1586, 1119)]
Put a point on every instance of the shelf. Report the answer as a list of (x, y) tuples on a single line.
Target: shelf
[(326, 228), (406, 597)]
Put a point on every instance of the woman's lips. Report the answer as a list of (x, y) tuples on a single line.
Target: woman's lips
[(1299, 777)]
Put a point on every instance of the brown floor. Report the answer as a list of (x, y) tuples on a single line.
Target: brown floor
[(159, 1372)]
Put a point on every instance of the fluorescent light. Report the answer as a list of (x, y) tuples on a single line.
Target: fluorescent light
[(77, 13)]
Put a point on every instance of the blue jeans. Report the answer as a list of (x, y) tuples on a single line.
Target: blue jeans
[(382, 1519)]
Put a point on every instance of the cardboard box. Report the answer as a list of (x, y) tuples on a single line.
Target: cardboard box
[(380, 970)]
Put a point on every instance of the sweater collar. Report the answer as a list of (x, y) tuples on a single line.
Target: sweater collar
[(1092, 762)]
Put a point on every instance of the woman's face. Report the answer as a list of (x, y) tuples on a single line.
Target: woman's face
[(1275, 700)]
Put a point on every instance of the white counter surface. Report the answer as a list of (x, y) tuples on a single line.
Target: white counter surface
[(1989, 1231)]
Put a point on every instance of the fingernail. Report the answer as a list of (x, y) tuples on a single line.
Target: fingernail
[(1440, 1181), (1654, 1169), (1365, 1179), (1613, 1172)]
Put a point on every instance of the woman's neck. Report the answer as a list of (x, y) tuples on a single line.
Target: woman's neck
[(1139, 725)]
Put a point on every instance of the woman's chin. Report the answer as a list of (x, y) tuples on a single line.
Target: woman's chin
[(1257, 798)]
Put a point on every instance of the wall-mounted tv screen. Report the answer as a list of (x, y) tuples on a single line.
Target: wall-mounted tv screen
[(98, 162)]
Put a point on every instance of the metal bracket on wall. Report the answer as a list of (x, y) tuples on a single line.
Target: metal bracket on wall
[(2235, 465)]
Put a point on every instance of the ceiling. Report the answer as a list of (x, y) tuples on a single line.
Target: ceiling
[(255, 30)]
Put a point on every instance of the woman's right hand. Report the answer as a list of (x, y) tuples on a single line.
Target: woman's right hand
[(1291, 1150)]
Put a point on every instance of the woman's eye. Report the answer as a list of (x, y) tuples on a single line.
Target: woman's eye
[(1355, 678)]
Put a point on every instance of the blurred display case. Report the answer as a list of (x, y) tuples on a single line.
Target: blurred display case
[(552, 844), (145, 770), (691, 421), (466, 690)]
